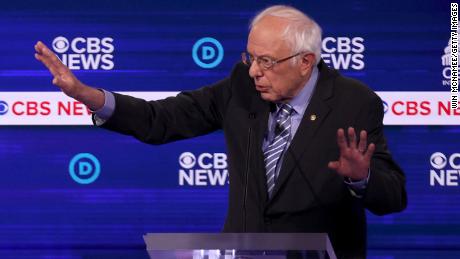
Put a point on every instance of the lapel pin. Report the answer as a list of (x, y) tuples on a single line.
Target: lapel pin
[(313, 117)]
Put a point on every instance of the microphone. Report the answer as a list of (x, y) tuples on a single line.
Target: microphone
[(251, 116)]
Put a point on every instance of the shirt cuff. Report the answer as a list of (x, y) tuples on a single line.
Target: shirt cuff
[(357, 188), (104, 113)]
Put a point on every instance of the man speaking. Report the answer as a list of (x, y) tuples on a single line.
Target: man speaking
[(305, 145)]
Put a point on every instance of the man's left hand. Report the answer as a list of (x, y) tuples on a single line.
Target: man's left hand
[(355, 158)]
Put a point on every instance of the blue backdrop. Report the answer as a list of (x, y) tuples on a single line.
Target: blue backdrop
[(141, 188)]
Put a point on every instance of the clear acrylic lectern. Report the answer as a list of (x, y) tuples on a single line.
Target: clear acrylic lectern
[(239, 246)]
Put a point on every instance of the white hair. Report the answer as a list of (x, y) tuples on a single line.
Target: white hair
[(301, 33)]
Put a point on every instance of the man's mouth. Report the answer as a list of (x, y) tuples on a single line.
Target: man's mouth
[(261, 88)]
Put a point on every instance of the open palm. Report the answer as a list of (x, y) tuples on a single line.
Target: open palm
[(355, 158)]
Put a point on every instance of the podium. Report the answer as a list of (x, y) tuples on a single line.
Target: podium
[(239, 246)]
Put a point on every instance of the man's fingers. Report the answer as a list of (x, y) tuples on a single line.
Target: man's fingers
[(43, 49), (51, 61), (52, 57), (38, 48), (334, 165), (48, 55), (341, 141), (58, 81), (56, 62), (47, 63), (55, 80), (362, 141), (369, 152), (352, 137)]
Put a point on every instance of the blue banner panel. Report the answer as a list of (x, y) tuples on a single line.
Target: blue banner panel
[(66, 187)]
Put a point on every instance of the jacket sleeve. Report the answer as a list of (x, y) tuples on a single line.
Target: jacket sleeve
[(385, 192), (189, 114)]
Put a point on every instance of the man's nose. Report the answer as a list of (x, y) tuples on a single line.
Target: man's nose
[(254, 70)]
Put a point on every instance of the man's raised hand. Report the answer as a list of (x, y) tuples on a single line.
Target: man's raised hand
[(66, 80)]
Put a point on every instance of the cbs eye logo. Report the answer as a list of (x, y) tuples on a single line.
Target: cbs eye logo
[(438, 160), (385, 107), (60, 44), (3, 107), (187, 160)]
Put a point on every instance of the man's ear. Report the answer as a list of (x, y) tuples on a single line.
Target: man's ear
[(307, 61)]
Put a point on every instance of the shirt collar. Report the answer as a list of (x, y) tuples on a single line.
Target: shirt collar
[(300, 102)]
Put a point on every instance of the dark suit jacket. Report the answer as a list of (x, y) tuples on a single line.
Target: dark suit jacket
[(308, 196)]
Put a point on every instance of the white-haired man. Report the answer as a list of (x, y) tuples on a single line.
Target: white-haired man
[(292, 166)]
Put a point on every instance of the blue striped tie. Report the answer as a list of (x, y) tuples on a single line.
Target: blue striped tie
[(274, 151)]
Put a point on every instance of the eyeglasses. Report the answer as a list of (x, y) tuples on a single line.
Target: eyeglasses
[(264, 61)]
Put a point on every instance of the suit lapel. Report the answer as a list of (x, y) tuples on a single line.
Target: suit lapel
[(316, 112), (261, 109)]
